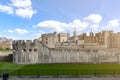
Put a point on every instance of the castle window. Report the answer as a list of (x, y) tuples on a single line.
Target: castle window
[(46, 42), (46, 38), (35, 50), (30, 50), (24, 50)]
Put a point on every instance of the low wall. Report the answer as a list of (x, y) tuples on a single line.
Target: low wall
[(5, 55)]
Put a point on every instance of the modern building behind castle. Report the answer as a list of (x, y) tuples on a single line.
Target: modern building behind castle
[(63, 48)]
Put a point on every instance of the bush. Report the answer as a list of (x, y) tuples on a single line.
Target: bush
[(6, 49), (1, 49)]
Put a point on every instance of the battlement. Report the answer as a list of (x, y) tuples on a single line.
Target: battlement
[(25, 44), (24, 41)]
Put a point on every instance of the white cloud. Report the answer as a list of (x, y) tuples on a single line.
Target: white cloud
[(37, 35), (52, 25), (90, 22), (113, 23), (78, 25), (25, 12), (93, 18), (21, 8), (10, 31), (61, 26), (21, 3), (19, 31), (6, 9), (94, 27)]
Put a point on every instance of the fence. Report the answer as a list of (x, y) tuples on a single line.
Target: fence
[(60, 73)]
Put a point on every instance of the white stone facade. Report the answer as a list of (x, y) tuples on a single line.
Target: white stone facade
[(35, 52)]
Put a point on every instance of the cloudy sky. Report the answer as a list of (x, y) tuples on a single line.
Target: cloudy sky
[(28, 19)]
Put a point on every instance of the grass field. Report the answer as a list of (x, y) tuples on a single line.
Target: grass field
[(59, 69)]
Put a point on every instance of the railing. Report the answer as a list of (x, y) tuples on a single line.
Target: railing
[(60, 73)]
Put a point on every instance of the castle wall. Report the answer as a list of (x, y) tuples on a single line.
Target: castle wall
[(34, 52), (85, 56), (5, 56)]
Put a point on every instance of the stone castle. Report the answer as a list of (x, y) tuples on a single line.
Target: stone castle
[(102, 47)]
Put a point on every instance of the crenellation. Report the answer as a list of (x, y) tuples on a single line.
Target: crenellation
[(101, 47)]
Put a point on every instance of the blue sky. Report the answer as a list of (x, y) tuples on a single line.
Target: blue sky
[(28, 19)]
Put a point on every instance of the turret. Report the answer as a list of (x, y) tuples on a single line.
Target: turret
[(74, 33), (91, 33)]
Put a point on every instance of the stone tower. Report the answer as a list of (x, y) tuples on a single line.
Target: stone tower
[(75, 35)]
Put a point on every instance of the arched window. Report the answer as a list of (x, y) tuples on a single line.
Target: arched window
[(24, 50), (35, 50), (30, 50)]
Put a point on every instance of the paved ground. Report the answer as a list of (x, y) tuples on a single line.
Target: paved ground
[(90, 78)]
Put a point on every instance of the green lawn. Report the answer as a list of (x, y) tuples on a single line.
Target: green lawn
[(59, 69)]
